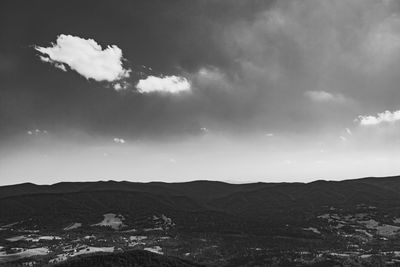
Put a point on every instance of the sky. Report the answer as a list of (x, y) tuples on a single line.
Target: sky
[(176, 90)]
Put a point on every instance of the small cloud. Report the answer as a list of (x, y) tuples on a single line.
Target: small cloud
[(344, 139), (172, 160), (323, 96), (269, 135), (36, 132), (117, 86), (168, 84), (204, 129), (119, 141), (383, 117), (120, 86), (348, 131), (86, 57)]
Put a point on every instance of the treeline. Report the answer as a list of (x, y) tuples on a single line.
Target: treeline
[(127, 259)]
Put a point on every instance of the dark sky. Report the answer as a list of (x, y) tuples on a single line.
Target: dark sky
[(172, 37), (270, 90)]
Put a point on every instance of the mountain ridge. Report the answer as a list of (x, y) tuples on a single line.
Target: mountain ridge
[(199, 189)]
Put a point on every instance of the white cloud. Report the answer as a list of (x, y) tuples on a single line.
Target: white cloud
[(119, 140), (121, 85), (36, 132), (323, 96), (169, 84), (117, 86), (86, 57), (348, 131), (386, 116)]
